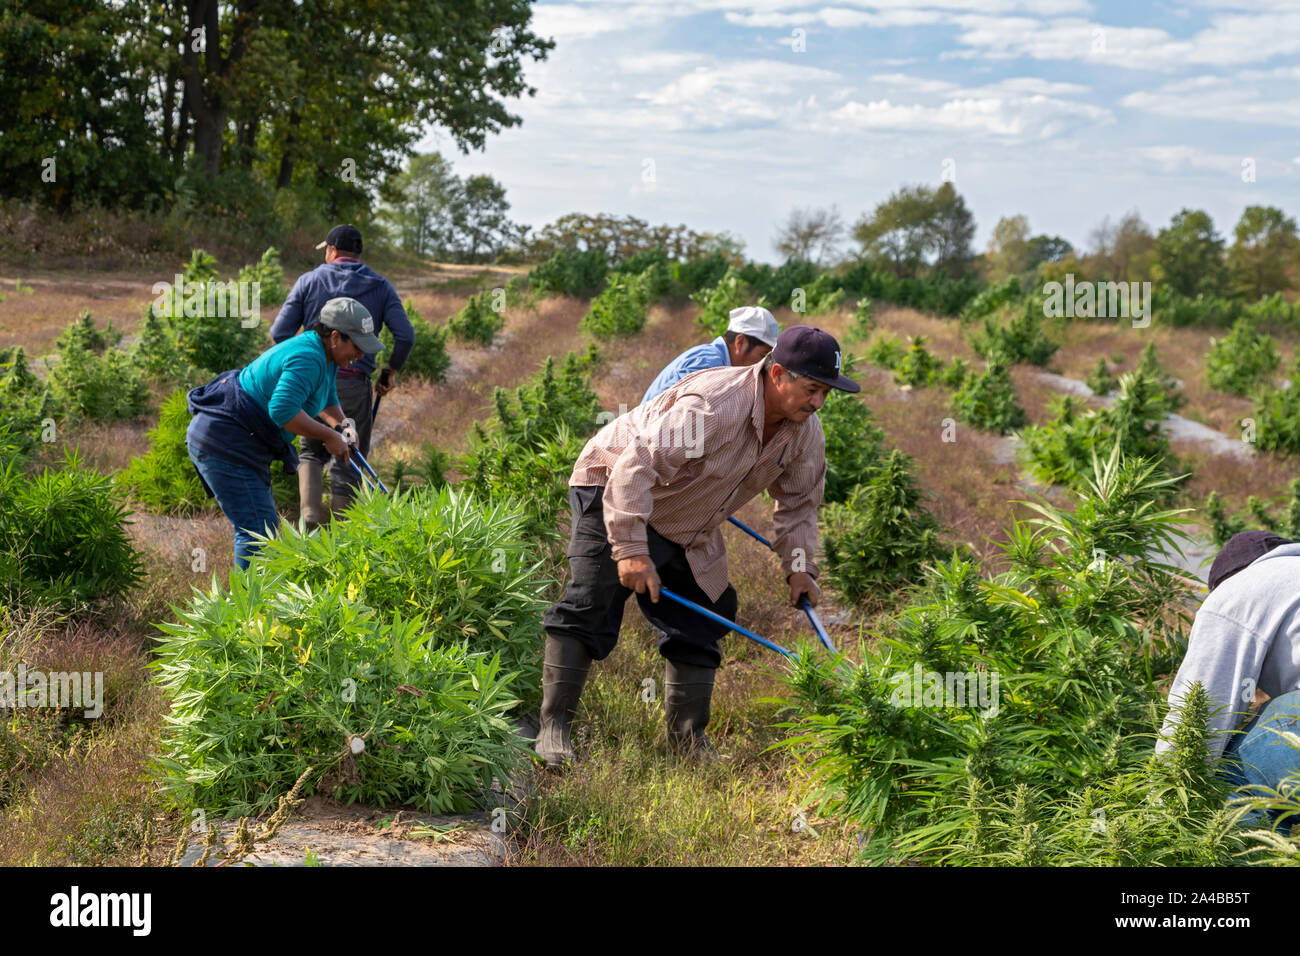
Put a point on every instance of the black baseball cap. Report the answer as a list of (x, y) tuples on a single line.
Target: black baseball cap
[(343, 238), (1242, 550), (812, 352)]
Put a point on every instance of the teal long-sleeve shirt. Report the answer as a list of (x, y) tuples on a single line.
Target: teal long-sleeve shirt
[(292, 377)]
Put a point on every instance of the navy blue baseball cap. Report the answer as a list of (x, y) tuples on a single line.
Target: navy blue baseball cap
[(812, 352), (343, 238)]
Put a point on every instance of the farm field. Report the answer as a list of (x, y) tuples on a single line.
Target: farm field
[(628, 802)]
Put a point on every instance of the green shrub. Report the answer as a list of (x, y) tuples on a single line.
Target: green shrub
[(269, 276), (1069, 643), (822, 296), (527, 450), (275, 677), (697, 274), (886, 351), (716, 302), (935, 293), (519, 295), (92, 379), (955, 374), (158, 356), (654, 269), (878, 539), (428, 359), (430, 469), (854, 445), (1062, 450), (916, 366), (163, 479), (1286, 523), (776, 287), (477, 321), (988, 401), (863, 322), (1274, 311), (27, 402), (570, 272), (212, 334), (1100, 379), (63, 539), (1168, 396), (621, 308), (1020, 340), (992, 298), (1242, 360), (1277, 416)]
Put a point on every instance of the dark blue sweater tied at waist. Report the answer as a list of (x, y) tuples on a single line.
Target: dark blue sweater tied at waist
[(229, 424)]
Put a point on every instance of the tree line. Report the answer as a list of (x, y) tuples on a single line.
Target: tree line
[(307, 104)]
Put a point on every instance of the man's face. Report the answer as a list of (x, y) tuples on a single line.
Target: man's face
[(747, 351), (798, 399)]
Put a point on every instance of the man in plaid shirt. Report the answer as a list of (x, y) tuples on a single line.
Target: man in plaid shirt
[(648, 495)]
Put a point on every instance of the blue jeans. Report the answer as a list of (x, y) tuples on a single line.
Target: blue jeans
[(1264, 759), (243, 496)]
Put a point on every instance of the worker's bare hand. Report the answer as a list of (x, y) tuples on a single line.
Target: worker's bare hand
[(338, 447), (381, 388), (640, 575), (802, 583)]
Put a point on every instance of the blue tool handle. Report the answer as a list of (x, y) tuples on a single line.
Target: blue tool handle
[(816, 623), (356, 453), (722, 620), (751, 532)]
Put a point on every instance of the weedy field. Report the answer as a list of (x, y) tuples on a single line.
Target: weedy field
[(221, 693)]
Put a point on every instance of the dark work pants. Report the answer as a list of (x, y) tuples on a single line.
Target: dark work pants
[(592, 607), (355, 400)]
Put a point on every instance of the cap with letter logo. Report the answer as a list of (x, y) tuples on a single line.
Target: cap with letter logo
[(354, 320), (815, 353)]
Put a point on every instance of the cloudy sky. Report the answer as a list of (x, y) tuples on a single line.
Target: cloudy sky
[(725, 115)]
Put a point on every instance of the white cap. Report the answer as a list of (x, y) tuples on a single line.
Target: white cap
[(755, 322)]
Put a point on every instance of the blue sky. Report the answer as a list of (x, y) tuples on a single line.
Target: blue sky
[(726, 115)]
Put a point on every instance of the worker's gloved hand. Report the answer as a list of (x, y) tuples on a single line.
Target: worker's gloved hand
[(387, 381), (349, 431), (640, 575), (337, 446), (803, 583)]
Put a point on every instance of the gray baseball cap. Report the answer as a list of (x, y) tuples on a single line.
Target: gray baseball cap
[(354, 320)]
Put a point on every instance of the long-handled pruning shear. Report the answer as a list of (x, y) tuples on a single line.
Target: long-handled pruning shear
[(374, 480), (804, 606), (722, 620)]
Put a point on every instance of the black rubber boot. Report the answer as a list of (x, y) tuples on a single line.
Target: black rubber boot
[(564, 674), (688, 691)]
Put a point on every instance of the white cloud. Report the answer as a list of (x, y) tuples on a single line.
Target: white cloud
[(1174, 159), (735, 93), (1008, 108), (838, 18), (659, 62), (1249, 96), (1229, 40)]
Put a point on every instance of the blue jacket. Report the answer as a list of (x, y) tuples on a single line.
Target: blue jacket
[(352, 280), (230, 424), (709, 355)]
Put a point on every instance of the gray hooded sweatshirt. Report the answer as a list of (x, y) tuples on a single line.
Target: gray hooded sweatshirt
[(1245, 636)]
